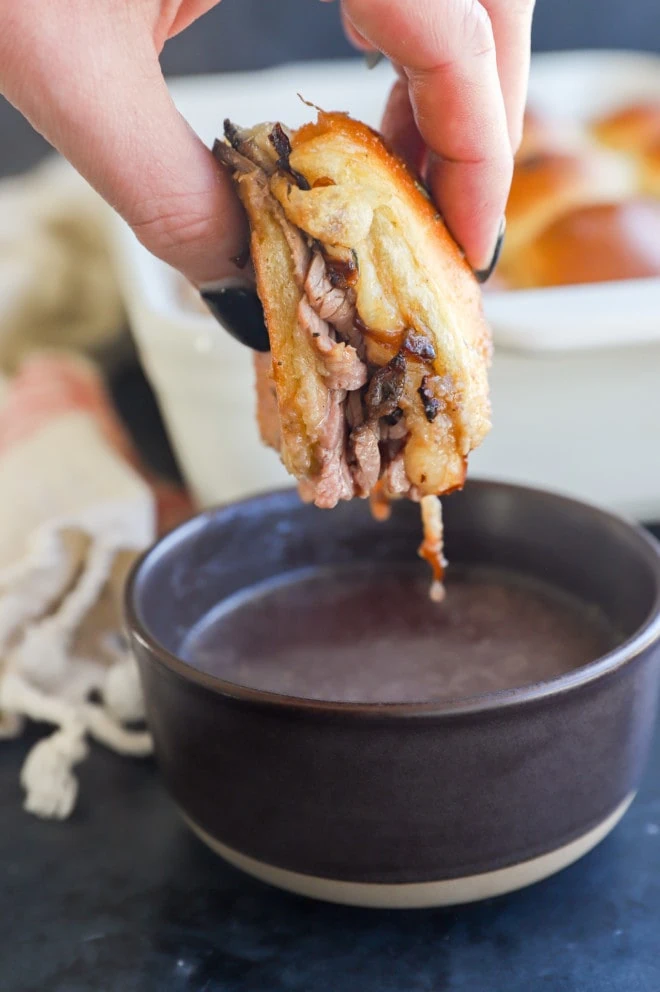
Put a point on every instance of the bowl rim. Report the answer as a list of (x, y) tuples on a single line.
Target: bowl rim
[(643, 638)]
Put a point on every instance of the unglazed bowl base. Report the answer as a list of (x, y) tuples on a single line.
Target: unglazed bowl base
[(419, 895)]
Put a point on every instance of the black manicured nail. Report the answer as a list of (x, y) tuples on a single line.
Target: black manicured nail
[(238, 308), (372, 59), (483, 275)]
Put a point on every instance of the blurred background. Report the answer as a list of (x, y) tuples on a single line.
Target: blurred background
[(250, 34)]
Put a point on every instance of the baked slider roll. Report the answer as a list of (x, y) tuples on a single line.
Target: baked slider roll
[(376, 382), (632, 128), (547, 187), (596, 243), (650, 170)]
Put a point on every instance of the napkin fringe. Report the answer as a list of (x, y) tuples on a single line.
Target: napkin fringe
[(37, 672), (51, 787)]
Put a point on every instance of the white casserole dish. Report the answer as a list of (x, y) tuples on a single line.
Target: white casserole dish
[(576, 378)]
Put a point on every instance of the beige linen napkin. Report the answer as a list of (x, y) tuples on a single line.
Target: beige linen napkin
[(76, 507), (57, 287), (74, 513)]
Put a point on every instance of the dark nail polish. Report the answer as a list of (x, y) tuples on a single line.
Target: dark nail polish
[(372, 59), (483, 275), (238, 309)]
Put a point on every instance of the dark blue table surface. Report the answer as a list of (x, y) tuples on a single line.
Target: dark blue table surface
[(122, 898)]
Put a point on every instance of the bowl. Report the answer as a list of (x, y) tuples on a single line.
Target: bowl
[(400, 804)]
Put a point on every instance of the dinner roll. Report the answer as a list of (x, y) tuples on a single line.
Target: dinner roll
[(650, 170), (631, 128), (548, 186), (594, 243)]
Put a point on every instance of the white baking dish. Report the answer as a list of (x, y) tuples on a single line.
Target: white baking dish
[(576, 379), (574, 87)]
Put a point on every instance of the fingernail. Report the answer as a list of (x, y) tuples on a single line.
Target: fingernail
[(483, 275), (371, 59), (238, 309)]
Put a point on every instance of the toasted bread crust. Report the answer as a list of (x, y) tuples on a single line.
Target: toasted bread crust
[(347, 193)]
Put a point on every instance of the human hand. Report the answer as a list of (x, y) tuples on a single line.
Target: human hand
[(455, 113), (86, 75)]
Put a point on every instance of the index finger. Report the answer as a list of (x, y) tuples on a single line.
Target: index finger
[(447, 52)]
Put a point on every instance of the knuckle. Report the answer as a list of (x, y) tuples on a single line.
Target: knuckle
[(171, 225)]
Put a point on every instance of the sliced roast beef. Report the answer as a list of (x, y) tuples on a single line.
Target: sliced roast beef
[(354, 410), (343, 368), (334, 481), (363, 434), (234, 159), (300, 253), (363, 444), (332, 303)]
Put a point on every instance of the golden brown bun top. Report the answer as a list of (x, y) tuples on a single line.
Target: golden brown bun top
[(547, 186), (652, 155), (548, 179), (597, 243), (631, 128), (576, 183), (375, 181), (650, 170), (341, 128)]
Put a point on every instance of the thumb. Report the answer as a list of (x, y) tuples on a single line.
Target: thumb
[(105, 106)]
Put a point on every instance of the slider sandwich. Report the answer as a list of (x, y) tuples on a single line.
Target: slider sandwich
[(375, 385)]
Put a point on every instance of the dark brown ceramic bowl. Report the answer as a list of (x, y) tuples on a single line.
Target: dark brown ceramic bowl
[(402, 804)]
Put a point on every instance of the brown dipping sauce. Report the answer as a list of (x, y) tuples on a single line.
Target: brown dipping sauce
[(358, 635)]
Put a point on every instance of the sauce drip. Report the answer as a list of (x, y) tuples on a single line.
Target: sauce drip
[(431, 548), (343, 273), (379, 502)]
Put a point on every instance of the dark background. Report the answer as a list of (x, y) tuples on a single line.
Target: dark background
[(248, 34)]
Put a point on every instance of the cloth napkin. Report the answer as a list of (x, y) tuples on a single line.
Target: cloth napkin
[(57, 286), (76, 506)]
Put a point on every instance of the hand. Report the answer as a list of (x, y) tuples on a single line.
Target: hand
[(86, 74), (456, 111)]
